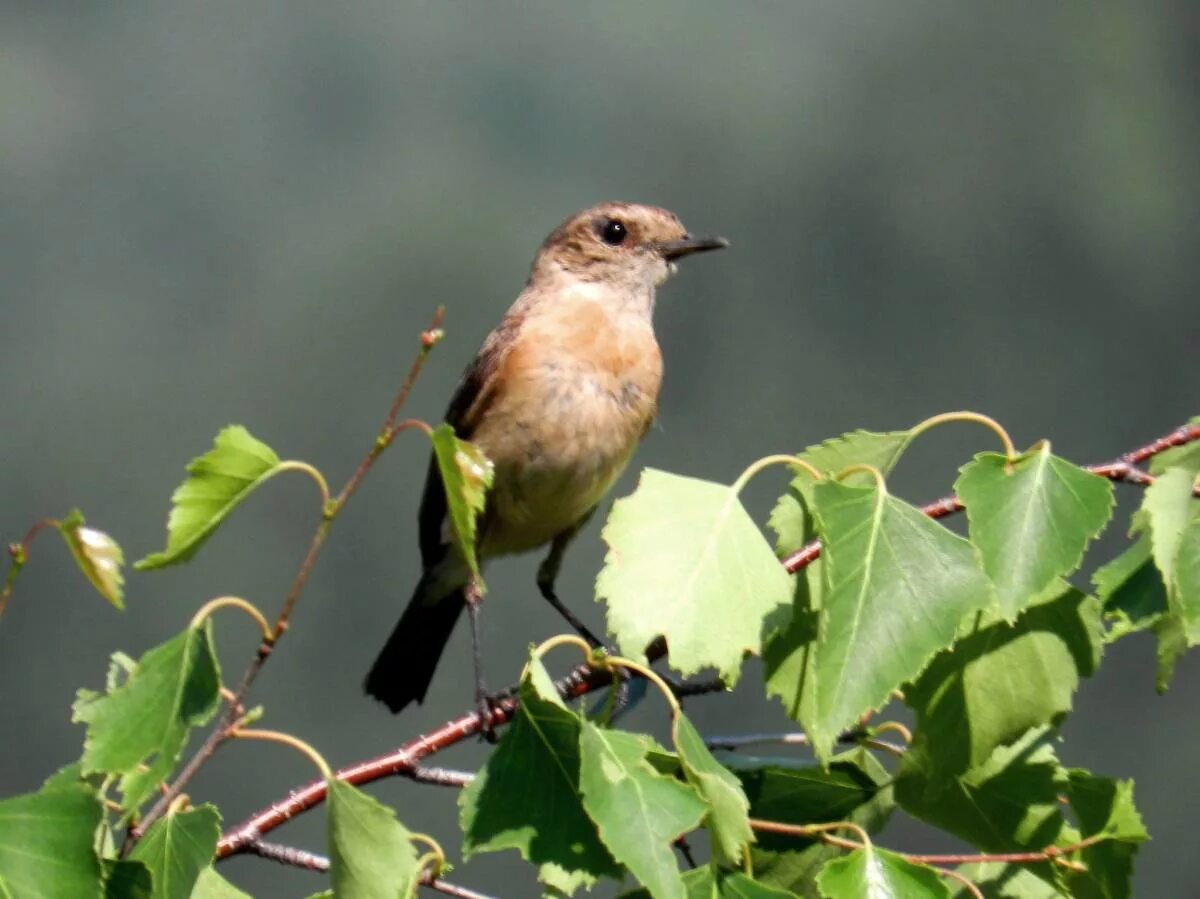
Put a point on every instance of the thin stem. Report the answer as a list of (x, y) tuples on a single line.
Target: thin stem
[(880, 483), (895, 727), (1010, 451), (431, 870), (560, 640), (313, 472), (227, 721), (233, 602), (823, 831), (1056, 854), (275, 736), (778, 459), (966, 882), (18, 554), (435, 852)]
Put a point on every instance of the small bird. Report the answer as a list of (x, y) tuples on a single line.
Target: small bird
[(558, 397)]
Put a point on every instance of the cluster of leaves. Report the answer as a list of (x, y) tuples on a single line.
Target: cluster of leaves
[(983, 638)]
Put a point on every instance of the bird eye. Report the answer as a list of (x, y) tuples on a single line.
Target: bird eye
[(613, 232)]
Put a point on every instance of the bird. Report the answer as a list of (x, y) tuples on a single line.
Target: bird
[(558, 397)]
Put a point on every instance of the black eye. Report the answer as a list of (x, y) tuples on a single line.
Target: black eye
[(613, 232)]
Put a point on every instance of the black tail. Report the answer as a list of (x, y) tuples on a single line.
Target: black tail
[(405, 667)]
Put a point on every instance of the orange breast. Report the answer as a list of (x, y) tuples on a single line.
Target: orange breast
[(575, 394)]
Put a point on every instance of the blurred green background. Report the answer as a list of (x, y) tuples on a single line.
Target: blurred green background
[(245, 212)]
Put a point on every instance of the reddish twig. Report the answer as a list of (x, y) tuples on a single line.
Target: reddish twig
[(18, 555), (1123, 469), (228, 718), (1050, 853), (404, 760)]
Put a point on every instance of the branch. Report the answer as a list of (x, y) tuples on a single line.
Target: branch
[(1056, 854), (404, 760), (582, 680), (228, 719), (311, 861)]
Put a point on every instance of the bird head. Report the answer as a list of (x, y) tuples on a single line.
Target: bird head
[(623, 244)]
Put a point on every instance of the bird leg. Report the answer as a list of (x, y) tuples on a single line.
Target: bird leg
[(483, 701), (548, 573)]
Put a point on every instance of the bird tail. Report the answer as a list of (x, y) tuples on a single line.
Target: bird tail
[(404, 668)]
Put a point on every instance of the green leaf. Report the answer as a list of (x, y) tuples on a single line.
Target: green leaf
[(1031, 519), (1172, 644), (98, 556), (789, 518), (211, 885), (1007, 804), (1172, 518), (873, 873), (46, 843), (1135, 599), (855, 788), (127, 879), (638, 812), (466, 475), (146, 719), (217, 482), (999, 681), (1187, 576), (790, 647), (67, 776), (897, 584), (728, 815), (527, 795), (371, 855), (176, 848), (1131, 590), (687, 562), (1104, 807)]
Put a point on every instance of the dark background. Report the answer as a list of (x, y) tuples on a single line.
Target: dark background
[(230, 212)]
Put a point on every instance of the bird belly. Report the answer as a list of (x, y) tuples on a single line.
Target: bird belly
[(557, 452)]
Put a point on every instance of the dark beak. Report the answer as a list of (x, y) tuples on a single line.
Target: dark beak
[(687, 245)]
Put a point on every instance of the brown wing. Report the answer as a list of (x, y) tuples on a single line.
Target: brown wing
[(476, 391)]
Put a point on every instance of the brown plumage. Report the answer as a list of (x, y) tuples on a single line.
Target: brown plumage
[(558, 397)]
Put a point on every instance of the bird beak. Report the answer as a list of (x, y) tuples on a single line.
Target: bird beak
[(687, 245)]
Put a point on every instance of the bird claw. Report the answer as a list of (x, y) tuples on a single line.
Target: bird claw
[(485, 707)]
